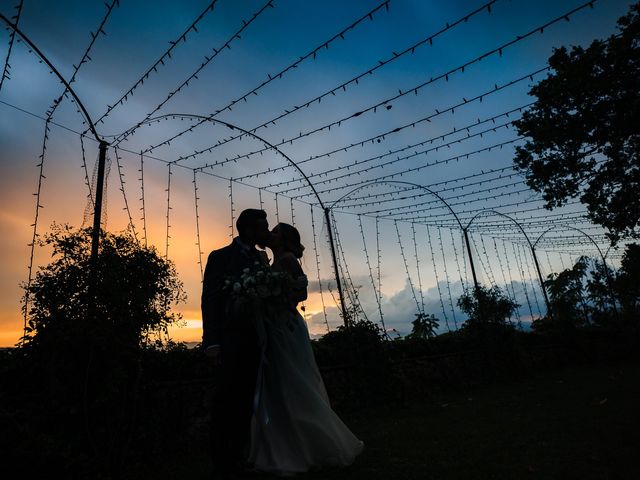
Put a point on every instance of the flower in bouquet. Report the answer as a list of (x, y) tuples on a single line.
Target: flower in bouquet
[(257, 283)]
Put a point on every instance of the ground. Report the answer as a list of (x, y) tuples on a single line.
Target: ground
[(577, 422)]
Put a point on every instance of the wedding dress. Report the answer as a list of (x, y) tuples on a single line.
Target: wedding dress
[(293, 427)]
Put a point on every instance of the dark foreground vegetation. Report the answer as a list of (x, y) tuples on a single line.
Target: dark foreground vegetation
[(577, 422), (87, 394)]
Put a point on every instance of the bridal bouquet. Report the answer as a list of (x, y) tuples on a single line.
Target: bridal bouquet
[(257, 283)]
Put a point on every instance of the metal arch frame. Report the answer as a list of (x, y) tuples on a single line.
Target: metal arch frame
[(85, 114), (231, 126), (97, 210), (602, 256), (398, 182), (103, 149), (294, 164), (531, 246), (428, 190)]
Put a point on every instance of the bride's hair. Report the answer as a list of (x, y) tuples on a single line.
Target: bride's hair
[(291, 239)]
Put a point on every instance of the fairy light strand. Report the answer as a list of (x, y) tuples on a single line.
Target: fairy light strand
[(446, 276), (317, 261), (196, 198), (131, 225), (6, 70), (435, 272)]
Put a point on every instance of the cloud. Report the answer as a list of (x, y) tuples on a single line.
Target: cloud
[(399, 309)]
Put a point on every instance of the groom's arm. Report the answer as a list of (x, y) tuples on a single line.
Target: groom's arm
[(213, 303)]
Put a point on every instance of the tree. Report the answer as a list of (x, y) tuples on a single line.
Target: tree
[(568, 299), (486, 308), (135, 289), (628, 285), (424, 326), (83, 345), (584, 130)]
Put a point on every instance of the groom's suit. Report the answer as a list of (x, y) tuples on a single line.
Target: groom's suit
[(236, 335)]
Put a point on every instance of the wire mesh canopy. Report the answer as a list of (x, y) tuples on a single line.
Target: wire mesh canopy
[(383, 131)]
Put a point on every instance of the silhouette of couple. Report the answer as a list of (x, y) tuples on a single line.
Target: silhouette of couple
[(272, 412)]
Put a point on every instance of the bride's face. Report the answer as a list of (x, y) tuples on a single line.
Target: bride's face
[(275, 240)]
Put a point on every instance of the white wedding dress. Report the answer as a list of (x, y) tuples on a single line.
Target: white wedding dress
[(293, 428)]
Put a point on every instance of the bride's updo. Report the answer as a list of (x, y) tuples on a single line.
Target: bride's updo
[(291, 239)]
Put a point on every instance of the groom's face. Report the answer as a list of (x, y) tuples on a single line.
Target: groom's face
[(261, 232)]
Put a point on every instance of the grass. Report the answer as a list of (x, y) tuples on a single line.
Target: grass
[(578, 422)]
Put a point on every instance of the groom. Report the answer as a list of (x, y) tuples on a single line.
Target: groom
[(230, 342)]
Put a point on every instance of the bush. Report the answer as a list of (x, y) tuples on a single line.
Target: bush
[(86, 332), (424, 326), (487, 309), (356, 354)]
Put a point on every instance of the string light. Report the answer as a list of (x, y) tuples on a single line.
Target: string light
[(420, 167), (387, 102), (6, 70), (457, 260), (160, 62), (347, 170), (142, 208), (451, 109), (348, 167), (231, 206), (253, 92), (196, 198), (533, 288), (415, 250), (124, 195), (317, 260), (379, 138), (379, 255), (193, 76), (35, 235), (446, 276), (523, 283), (406, 267), (168, 190), (435, 272), (373, 283), (343, 86), (85, 57), (86, 171), (352, 292)]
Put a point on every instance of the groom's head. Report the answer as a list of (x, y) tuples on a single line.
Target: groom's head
[(253, 227)]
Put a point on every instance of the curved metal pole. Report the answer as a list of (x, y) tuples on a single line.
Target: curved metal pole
[(531, 246), (295, 165), (604, 263), (455, 215), (97, 210), (398, 182), (55, 71), (246, 132)]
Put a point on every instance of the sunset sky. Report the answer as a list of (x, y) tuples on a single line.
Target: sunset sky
[(217, 67)]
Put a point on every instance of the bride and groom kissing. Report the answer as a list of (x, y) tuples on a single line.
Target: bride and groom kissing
[(272, 413)]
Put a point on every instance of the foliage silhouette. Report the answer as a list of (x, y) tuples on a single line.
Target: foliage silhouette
[(584, 296), (424, 326), (568, 299), (135, 289), (487, 309), (628, 286), (83, 351), (584, 130)]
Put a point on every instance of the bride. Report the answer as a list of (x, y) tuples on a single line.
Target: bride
[(293, 428)]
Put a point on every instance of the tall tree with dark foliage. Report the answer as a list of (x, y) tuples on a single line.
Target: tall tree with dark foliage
[(584, 130)]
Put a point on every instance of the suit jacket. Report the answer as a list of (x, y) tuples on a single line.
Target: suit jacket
[(219, 325)]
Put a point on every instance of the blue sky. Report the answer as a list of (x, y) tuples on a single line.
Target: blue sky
[(138, 33)]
